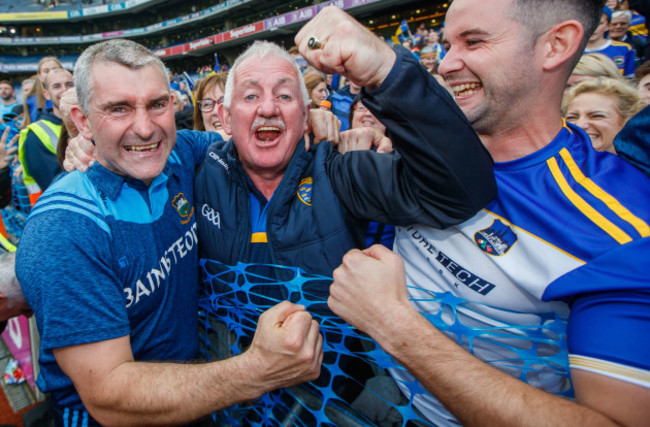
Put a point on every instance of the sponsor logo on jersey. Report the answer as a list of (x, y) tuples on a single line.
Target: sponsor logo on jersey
[(211, 215), (218, 159), (497, 239), (159, 275), (304, 190), (183, 207), (460, 273)]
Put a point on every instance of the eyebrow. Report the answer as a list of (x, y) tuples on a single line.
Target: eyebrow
[(111, 104), (474, 32), (254, 82)]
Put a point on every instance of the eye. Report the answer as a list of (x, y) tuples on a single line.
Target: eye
[(251, 97), (571, 117), (159, 105), (118, 109), (285, 97), (473, 42)]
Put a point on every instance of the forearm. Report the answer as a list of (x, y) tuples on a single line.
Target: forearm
[(475, 392), (170, 393)]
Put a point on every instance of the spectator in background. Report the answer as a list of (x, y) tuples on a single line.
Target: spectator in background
[(38, 143), (209, 95), (26, 86), (35, 98), (361, 117), (593, 65), (173, 83), (619, 31), (316, 88), (601, 107), (177, 100), (342, 101), (621, 53), (183, 116), (433, 39), (429, 58), (7, 97), (642, 75)]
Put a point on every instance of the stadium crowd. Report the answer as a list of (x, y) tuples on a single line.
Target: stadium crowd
[(472, 201)]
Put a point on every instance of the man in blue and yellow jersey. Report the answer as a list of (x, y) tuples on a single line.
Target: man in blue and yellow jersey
[(543, 294)]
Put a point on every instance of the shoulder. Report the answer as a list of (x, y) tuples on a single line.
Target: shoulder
[(622, 45), (73, 195)]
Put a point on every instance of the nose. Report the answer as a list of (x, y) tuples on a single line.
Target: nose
[(142, 125), (450, 63), (582, 122), (268, 106)]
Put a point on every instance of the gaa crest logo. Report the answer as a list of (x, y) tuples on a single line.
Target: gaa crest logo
[(183, 207), (304, 190), (496, 240)]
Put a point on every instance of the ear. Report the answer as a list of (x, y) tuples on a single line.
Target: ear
[(46, 94), (81, 122), (224, 118), (560, 43)]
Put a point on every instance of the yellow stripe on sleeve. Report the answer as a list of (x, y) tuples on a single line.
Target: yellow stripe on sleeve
[(611, 369), (639, 225), (596, 217)]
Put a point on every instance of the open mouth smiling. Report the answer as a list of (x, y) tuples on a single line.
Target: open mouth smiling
[(466, 89), (142, 148), (267, 133)]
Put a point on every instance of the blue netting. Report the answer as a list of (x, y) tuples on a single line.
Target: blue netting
[(14, 222), (354, 387)]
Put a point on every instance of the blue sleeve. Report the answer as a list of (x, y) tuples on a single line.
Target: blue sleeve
[(610, 306), (197, 143), (440, 173), (63, 267), (42, 164), (611, 326), (629, 63)]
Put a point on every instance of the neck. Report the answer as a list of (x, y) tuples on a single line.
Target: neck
[(266, 184), (56, 112), (596, 43), (512, 144), (9, 101)]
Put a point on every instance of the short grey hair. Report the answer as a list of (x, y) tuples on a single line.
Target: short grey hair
[(623, 13), (259, 50), (120, 51)]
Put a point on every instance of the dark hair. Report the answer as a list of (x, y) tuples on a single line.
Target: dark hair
[(643, 70), (357, 99), (538, 16)]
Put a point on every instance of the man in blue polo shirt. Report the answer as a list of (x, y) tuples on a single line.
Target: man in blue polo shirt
[(120, 292)]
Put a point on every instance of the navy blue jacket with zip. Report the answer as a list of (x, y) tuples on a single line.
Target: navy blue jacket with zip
[(439, 175)]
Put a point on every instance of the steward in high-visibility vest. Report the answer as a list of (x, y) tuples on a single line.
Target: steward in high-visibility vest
[(47, 130), (5, 244)]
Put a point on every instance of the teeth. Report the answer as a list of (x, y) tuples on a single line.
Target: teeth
[(466, 89), (138, 148), (268, 128)]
